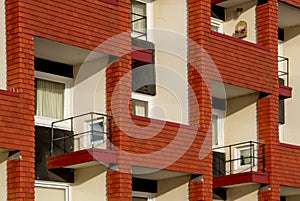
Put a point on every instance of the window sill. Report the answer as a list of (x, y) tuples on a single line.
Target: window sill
[(47, 122)]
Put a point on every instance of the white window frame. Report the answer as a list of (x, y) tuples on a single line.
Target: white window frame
[(220, 125), (89, 143), (217, 23), (68, 99), (238, 165), (55, 185), (146, 98), (149, 196), (149, 14)]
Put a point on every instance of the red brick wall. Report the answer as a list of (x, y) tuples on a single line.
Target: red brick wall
[(289, 164), (295, 3), (267, 24), (16, 133), (84, 24), (236, 59)]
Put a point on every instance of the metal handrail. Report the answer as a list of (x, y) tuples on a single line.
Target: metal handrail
[(282, 73), (257, 157), (108, 132), (139, 19)]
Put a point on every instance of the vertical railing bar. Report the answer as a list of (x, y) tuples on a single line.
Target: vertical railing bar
[(230, 168), (111, 132), (287, 66), (52, 137), (92, 130)]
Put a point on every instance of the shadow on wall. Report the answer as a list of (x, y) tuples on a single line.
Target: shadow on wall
[(238, 103)]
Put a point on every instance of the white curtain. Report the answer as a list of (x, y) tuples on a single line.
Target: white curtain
[(140, 9), (49, 99)]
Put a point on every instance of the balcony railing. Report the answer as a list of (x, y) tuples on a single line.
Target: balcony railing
[(238, 158), (138, 26), (90, 130), (283, 70)]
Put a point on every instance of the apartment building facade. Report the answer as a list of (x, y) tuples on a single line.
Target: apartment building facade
[(149, 100)]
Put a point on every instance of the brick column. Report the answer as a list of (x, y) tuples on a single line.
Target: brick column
[(200, 92), (20, 78), (201, 190), (267, 35), (119, 186)]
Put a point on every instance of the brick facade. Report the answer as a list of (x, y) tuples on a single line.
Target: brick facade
[(212, 56)]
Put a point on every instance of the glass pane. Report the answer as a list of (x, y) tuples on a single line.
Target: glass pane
[(139, 199), (214, 28), (215, 140), (140, 108), (49, 99), (245, 155), (98, 131), (138, 16)]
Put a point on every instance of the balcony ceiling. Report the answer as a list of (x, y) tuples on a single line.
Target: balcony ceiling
[(288, 16), (154, 174), (231, 3), (289, 191), (63, 53), (227, 91)]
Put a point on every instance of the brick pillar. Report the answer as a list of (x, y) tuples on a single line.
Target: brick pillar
[(119, 186), (20, 78), (267, 35), (20, 177), (200, 92), (201, 190)]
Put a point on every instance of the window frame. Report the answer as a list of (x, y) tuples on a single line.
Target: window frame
[(220, 127), (146, 98), (217, 23), (238, 166), (149, 16), (149, 196), (88, 140), (55, 185), (68, 100)]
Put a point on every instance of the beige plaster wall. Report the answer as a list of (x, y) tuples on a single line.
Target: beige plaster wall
[(173, 189), (243, 193), (240, 121), (90, 184), (293, 198), (171, 101), (89, 95), (3, 64), (248, 15), (291, 47)]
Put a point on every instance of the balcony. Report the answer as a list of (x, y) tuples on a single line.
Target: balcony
[(86, 141), (285, 91), (242, 163)]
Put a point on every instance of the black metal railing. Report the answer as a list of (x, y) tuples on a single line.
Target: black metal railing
[(283, 70), (138, 26), (237, 158), (84, 131)]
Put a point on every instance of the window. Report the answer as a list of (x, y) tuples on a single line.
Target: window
[(217, 128), (95, 133), (140, 107), (216, 25), (142, 196), (48, 191), (245, 156), (49, 98), (52, 98), (141, 12)]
